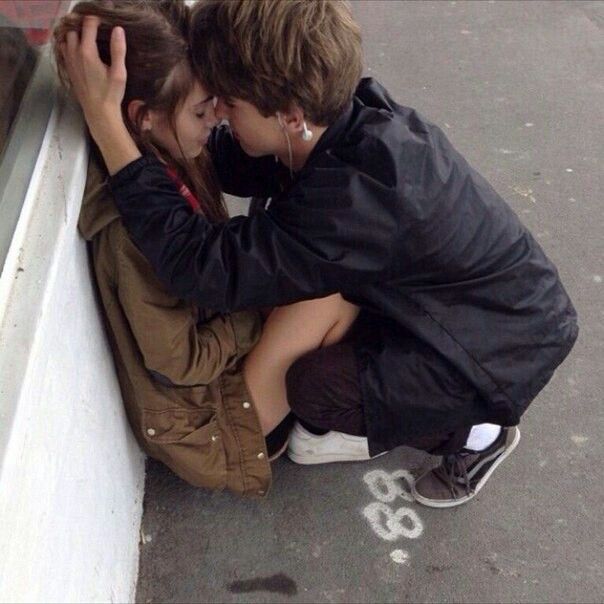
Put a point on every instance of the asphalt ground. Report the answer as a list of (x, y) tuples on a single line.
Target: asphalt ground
[(519, 89)]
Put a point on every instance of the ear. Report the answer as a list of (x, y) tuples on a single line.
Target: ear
[(293, 119), (135, 108)]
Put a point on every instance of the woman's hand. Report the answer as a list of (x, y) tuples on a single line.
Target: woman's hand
[(100, 90)]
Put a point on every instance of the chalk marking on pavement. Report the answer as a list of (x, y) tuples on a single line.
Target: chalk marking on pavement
[(394, 525), (400, 556), (388, 524), (387, 487)]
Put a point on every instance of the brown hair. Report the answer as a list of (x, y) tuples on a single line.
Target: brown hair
[(159, 74), (275, 52)]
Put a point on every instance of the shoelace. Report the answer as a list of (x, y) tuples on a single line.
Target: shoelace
[(453, 472)]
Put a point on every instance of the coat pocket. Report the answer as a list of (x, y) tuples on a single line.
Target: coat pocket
[(189, 442)]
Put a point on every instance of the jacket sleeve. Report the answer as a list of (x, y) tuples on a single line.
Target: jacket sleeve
[(333, 232), (175, 348)]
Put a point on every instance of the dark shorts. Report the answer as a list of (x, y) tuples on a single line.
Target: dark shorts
[(323, 390)]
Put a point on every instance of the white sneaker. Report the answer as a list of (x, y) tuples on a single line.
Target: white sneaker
[(307, 448)]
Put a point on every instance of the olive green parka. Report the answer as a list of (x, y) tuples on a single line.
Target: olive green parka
[(179, 367)]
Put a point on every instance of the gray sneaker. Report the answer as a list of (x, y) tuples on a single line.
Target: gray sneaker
[(460, 476)]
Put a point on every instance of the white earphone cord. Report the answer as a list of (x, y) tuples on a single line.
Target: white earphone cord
[(290, 154), (306, 135)]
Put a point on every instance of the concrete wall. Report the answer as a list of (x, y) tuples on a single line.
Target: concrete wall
[(71, 475)]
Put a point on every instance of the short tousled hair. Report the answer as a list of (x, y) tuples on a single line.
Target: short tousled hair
[(273, 53)]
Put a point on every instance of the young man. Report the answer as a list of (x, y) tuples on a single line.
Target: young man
[(463, 318)]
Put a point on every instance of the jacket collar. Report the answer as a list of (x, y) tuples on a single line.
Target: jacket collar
[(332, 134)]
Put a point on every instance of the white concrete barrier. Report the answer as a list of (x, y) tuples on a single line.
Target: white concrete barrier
[(71, 474)]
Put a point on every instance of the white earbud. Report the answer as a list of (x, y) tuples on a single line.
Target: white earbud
[(306, 133)]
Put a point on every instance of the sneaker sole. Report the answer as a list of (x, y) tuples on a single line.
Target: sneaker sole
[(309, 460), (451, 503)]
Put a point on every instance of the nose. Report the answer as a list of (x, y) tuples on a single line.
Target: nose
[(221, 109), (210, 116)]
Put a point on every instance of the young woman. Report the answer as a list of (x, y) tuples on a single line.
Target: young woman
[(193, 397)]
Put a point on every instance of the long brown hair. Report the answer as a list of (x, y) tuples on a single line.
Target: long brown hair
[(159, 70)]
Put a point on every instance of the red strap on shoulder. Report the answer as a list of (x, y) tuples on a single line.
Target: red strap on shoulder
[(185, 191)]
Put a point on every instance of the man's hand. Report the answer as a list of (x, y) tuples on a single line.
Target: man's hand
[(100, 90)]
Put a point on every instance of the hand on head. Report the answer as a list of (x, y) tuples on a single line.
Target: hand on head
[(98, 88)]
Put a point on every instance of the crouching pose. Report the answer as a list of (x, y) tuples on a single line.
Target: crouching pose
[(194, 399), (463, 317)]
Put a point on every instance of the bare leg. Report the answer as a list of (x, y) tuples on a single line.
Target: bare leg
[(289, 332)]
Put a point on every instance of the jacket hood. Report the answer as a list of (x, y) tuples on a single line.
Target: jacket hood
[(98, 208)]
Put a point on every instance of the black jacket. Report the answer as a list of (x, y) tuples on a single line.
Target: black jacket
[(468, 316)]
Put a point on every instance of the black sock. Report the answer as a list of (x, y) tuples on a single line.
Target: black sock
[(313, 429), (276, 438)]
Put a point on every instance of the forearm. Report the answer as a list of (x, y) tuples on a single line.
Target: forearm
[(203, 356), (114, 142), (270, 259), (225, 267)]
